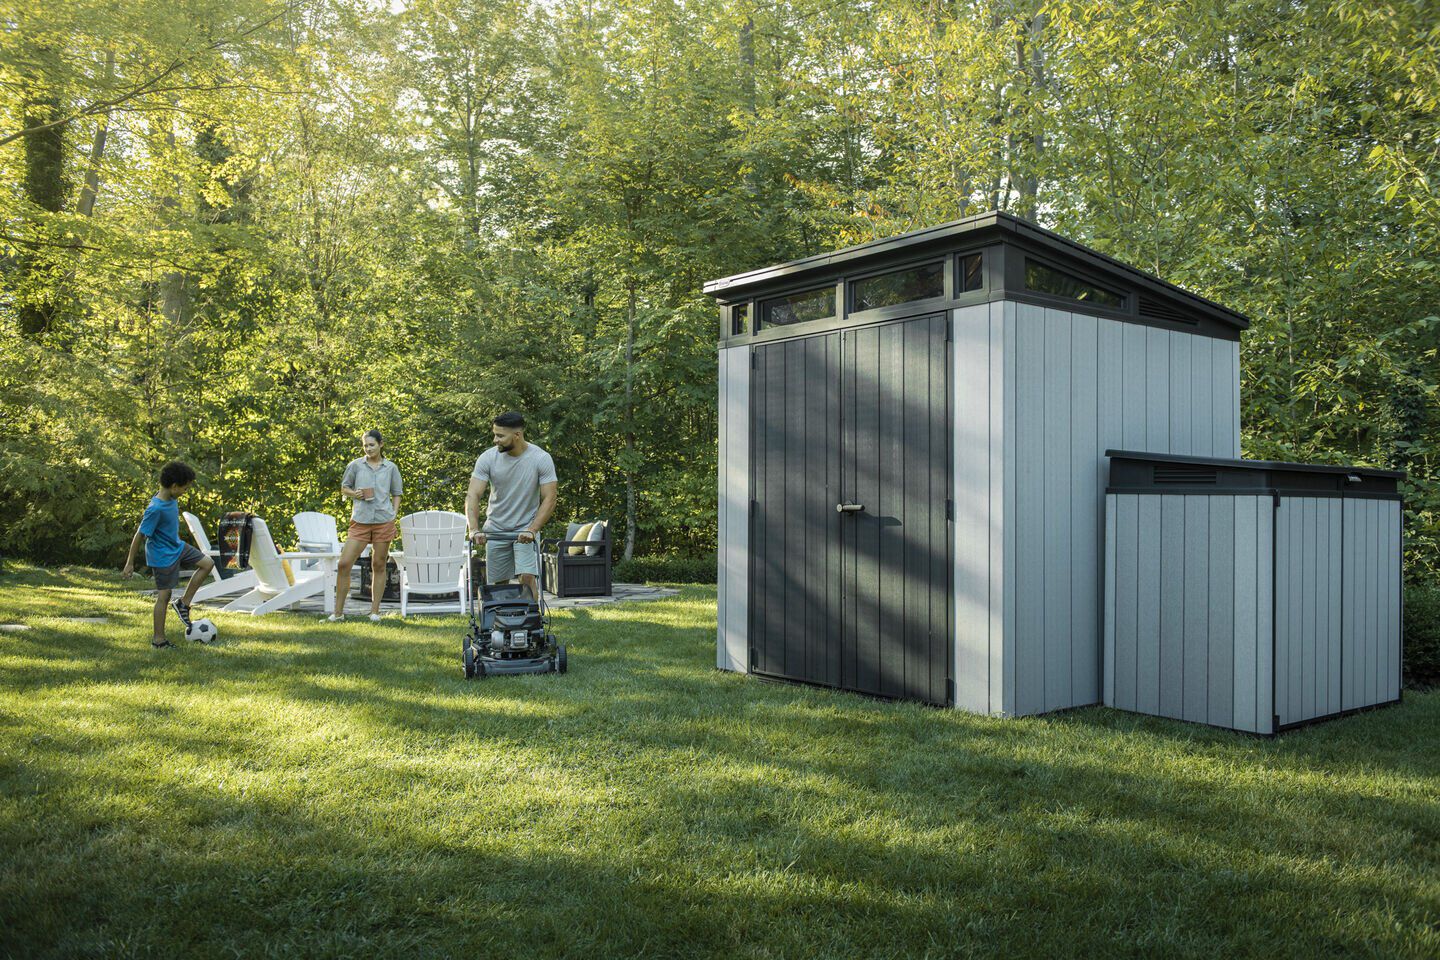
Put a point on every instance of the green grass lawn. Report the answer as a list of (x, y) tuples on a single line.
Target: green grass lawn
[(305, 789)]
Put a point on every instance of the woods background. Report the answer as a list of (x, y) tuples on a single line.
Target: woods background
[(239, 232)]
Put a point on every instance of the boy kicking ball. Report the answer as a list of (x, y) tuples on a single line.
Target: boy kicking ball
[(165, 554)]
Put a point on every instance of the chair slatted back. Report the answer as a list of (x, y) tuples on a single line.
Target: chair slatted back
[(315, 533), (197, 532), (265, 559), (434, 549)]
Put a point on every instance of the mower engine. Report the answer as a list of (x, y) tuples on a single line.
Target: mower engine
[(512, 628)]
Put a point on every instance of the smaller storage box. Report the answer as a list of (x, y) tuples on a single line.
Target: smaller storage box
[(1248, 594)]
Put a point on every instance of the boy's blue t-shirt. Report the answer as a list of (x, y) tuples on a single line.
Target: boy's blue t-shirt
[(161, 527)]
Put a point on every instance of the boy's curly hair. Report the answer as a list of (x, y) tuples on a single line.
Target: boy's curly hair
[(176, 471)]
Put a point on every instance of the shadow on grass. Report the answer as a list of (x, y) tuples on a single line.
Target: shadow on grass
[(357, 795)]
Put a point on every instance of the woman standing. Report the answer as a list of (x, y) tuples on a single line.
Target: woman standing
[(373, 482)]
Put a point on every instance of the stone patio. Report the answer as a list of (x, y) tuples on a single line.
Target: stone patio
[(355, 607)]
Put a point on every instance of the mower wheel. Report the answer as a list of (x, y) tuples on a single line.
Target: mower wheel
[(560, 659), (469, 657)]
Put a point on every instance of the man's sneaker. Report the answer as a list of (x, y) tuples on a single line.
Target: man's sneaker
[(182, 610)]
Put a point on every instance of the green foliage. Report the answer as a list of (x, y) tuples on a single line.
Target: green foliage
[(240, 233), (1422, 634), (671, 569)]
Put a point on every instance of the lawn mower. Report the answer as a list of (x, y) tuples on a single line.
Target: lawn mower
[(509, 629)]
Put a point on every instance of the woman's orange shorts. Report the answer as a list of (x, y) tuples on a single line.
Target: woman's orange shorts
[(373, 532)]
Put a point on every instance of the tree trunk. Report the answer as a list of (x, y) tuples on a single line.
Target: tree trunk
[(630, 422), (91, 189), (44, 159)]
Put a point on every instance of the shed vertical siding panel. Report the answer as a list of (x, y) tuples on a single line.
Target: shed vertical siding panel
[(1221, 633), (723, 491), (1182, 353), (1265, 613), (1303, 669), (1148, 599), (1289, 570), (1086, 502), (864, 403), (1300, 623), (1235, 394), (1247, 588), (893, 428), (1172, 605), (1134, 389), (1030, 456), (1108, 607), (1109, 422), (1197, 622), (1202, 396), (1157, 389), (1394, 523), (1335, 605), (1349, 617), (1058, 479), (936, 559), (974, 467), (1376, 619), (1221, 442), (1005, 678), (791, 480), (1126, 600), (734, 508)]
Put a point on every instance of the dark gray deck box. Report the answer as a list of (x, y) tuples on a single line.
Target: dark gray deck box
[(1250, 595)]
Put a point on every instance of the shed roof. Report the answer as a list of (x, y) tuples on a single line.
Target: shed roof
[(983, 227)]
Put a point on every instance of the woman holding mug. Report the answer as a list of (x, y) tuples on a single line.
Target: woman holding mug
[(373, 482)]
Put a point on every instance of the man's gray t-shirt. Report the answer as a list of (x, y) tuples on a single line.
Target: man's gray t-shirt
[(514, 486)]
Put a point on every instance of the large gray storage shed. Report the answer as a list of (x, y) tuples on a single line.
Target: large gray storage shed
[(1250, 595), (911, 456)]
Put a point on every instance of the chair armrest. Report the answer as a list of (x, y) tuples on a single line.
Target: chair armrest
[(307, 555)]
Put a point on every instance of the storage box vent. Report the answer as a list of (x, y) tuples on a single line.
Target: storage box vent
[(1185, 473), (1155, 310)]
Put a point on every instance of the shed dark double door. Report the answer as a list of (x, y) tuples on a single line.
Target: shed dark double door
[(850, 571)]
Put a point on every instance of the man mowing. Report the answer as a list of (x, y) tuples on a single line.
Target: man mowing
[(523, 488)]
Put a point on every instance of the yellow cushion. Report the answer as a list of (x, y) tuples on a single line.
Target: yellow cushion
[(582, 534)]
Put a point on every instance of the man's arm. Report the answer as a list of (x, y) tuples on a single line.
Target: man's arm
[(472, 504), (549, 493), (129, 570)]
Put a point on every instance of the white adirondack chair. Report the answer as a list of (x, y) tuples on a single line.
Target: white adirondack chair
[(219, 586), (316, 533), (278, 589), (434, 558)]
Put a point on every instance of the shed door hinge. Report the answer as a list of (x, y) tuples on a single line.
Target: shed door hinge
[(1276, 495), (949, 329), (949, 691), (754, 359), (949, 509), (752, 658)]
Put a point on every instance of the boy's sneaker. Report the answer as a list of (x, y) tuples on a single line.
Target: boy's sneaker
[(182, 610)]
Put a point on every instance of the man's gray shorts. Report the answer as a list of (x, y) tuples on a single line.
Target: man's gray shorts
[(167, 578), (506, 558)]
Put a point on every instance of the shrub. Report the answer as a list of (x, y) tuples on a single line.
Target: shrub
[(696, 569), (1422, 634)]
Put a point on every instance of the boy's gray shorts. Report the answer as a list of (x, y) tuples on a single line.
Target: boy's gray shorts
[(167, 578)]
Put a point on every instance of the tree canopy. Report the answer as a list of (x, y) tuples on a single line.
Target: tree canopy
[(241, 232)]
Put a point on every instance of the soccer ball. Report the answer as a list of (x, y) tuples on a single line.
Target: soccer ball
[(202, 631)]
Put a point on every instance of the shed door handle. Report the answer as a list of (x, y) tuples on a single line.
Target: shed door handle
[(849, 507)]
